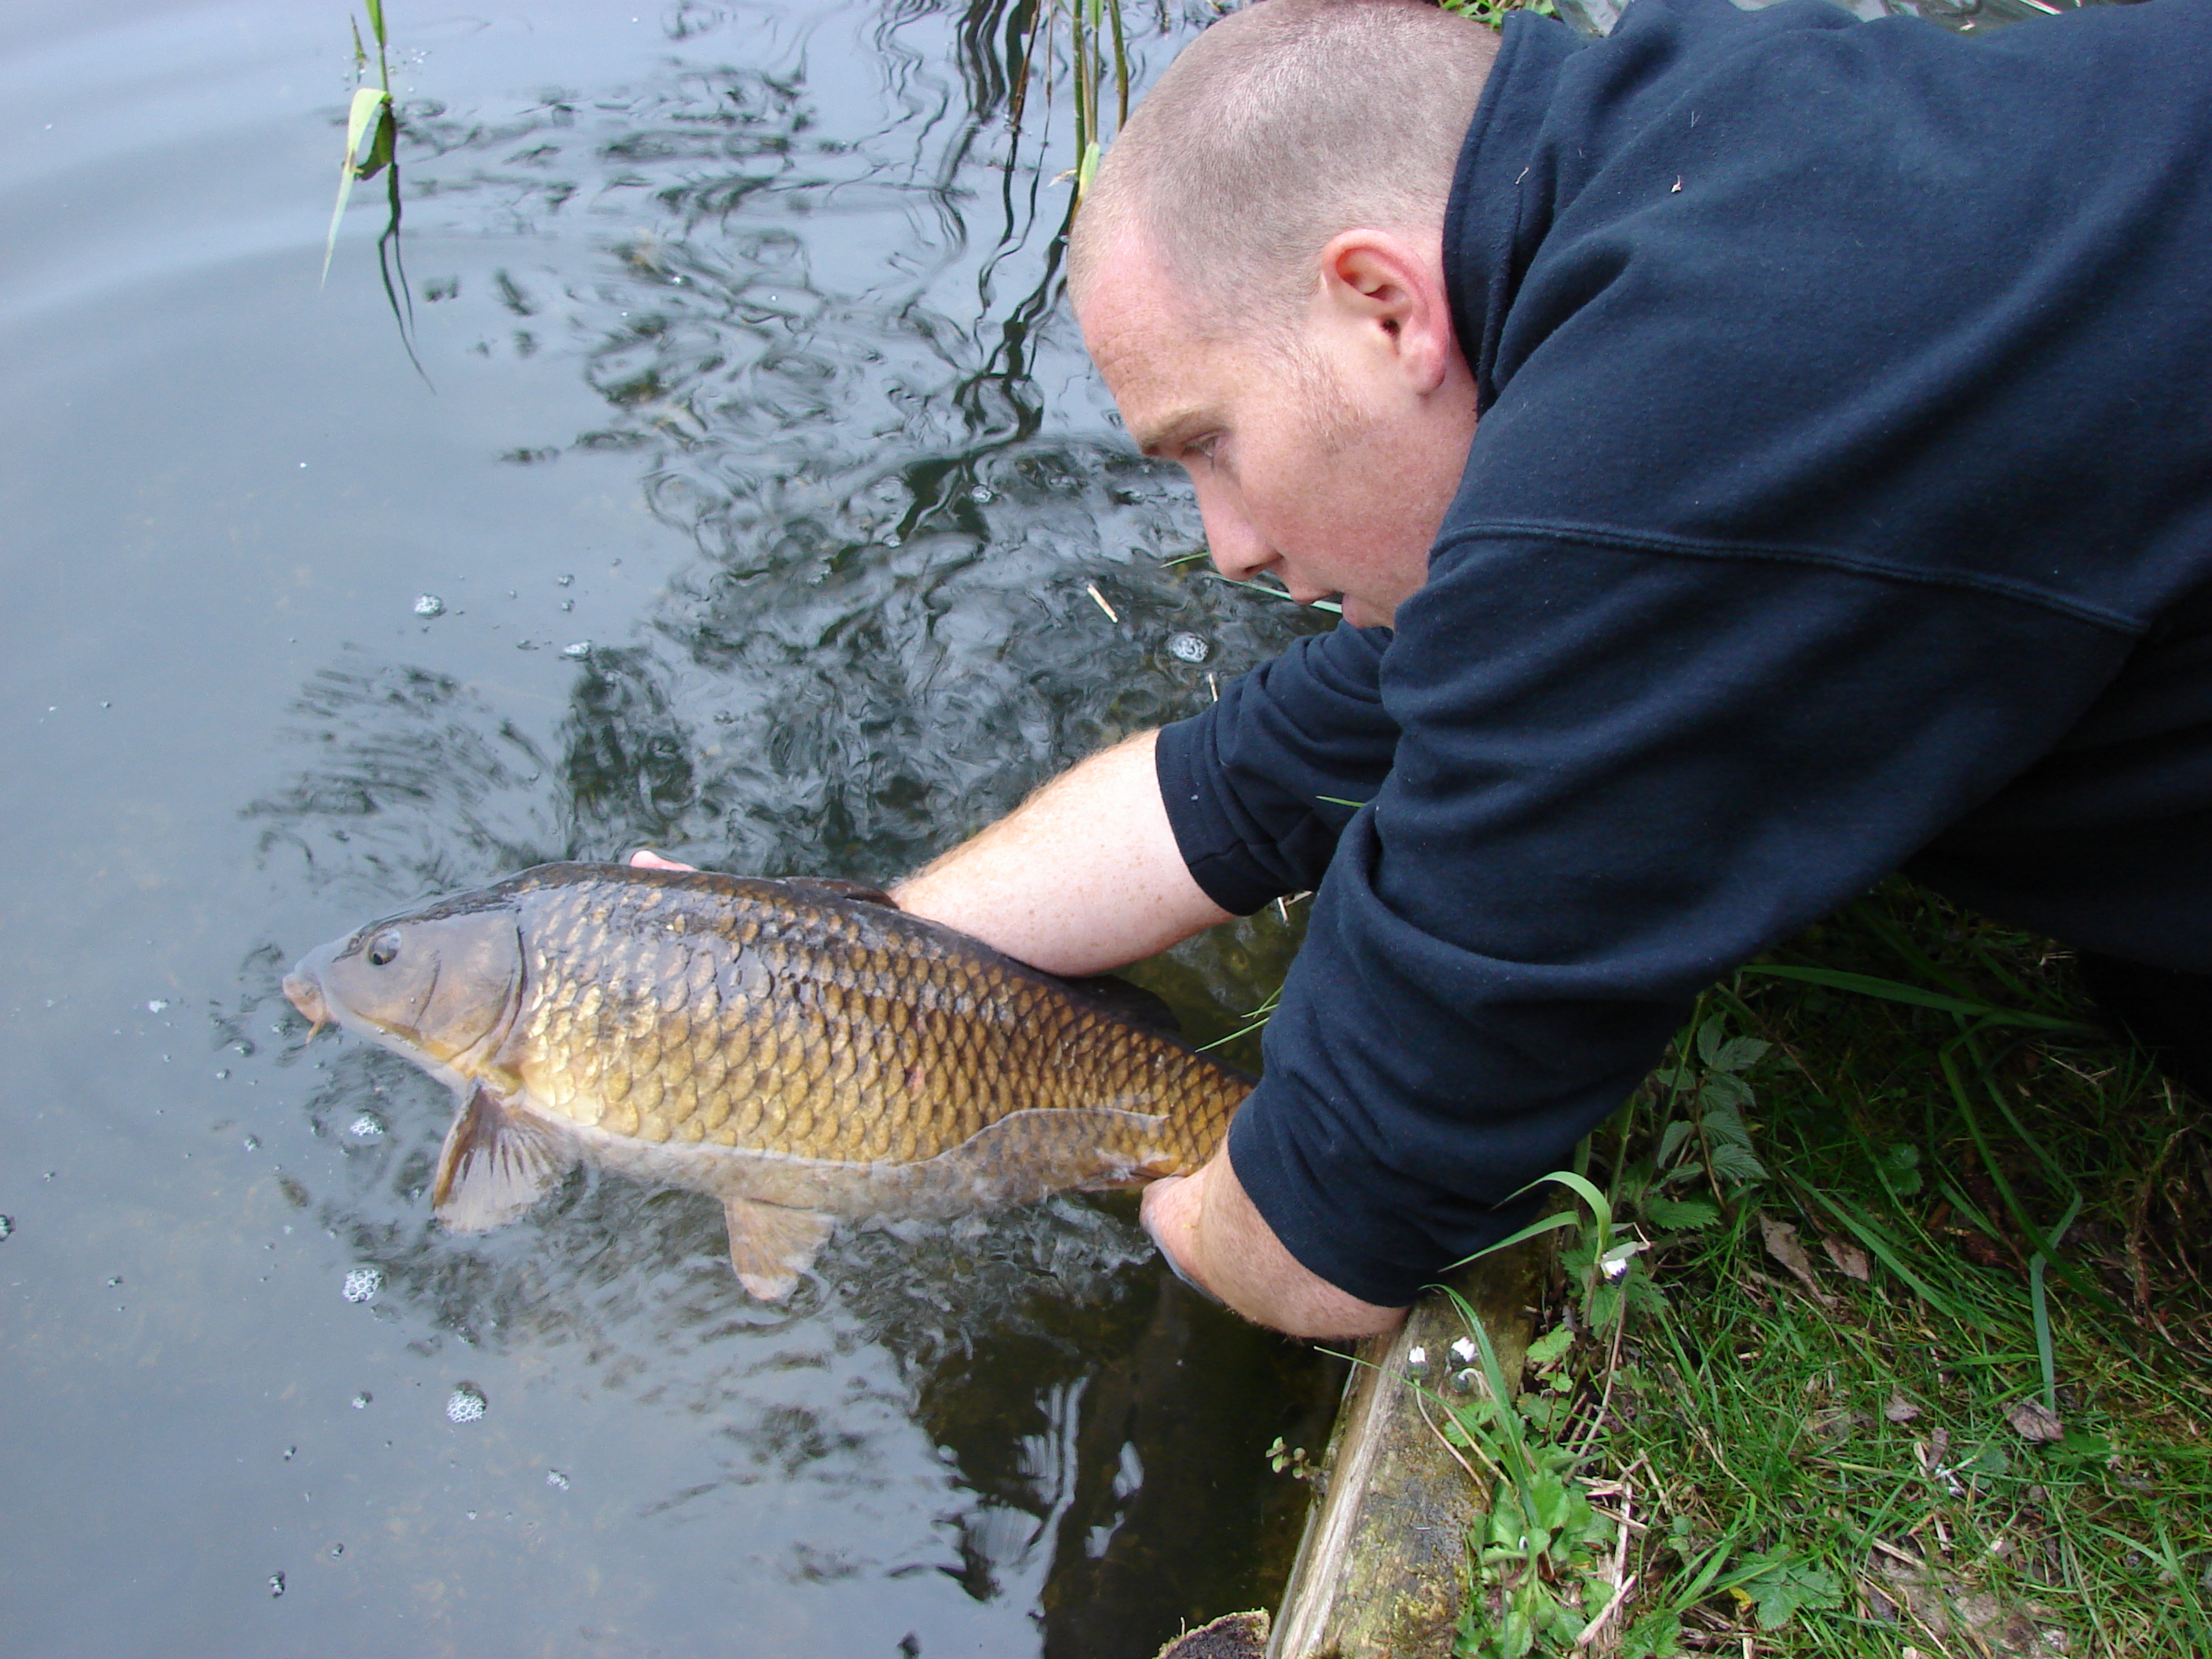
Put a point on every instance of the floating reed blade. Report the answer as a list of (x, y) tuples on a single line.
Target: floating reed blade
[(368, 103)]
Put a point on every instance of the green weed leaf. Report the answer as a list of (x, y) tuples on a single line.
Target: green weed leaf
[(1735, 1161), (1784, 1585), (1547, 1348), (1711, 1036), (1740, 1054), (1681, 1214)]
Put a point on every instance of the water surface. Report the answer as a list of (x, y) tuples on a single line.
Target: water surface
[(723, 398)]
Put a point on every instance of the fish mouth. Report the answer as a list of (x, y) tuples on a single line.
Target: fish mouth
[(304, 992)]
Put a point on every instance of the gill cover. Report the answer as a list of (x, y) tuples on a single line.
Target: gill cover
[(448, 985)]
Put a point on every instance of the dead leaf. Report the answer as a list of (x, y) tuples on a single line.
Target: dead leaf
[(1838, 1424), (1850, 1260), (2034, 1420), (1944, 1606), (1899, 1409), (1782, 1244)]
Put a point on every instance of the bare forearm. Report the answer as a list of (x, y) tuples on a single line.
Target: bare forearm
[(1084, 876)]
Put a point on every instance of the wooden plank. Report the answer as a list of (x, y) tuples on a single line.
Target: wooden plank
[(1383, 1567)]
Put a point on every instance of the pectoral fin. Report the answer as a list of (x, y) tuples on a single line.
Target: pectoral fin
[(770, 1245), (497, 1161)]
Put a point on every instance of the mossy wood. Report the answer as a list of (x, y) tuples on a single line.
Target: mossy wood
[(1382, 1568)]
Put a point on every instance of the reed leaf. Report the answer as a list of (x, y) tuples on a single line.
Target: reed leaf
[(369, 105)]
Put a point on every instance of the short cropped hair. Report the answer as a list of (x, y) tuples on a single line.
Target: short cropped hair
[(1280, 126)]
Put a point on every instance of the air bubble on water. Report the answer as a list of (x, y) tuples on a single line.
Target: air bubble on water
[(1189, 647), (579, 648), (362, 1283), (276, 1585), (361, 1400), (429, 605), (158, 1005), (366, 1126), (466, 1404), (558, 1480)]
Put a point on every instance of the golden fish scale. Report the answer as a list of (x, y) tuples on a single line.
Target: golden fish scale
[(829, 1031)]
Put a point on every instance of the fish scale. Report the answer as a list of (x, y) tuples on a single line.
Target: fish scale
[(802, 1055)]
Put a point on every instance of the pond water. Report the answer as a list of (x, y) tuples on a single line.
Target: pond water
[(716, 392)]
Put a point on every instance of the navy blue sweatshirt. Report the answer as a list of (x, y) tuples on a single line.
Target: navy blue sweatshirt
[(1841, 501)]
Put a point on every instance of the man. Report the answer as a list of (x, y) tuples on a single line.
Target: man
[(1756, 453)]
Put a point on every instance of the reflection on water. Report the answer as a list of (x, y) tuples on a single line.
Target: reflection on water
[(770, 505)]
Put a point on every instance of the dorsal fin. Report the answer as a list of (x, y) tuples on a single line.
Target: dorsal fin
[(497, 1161), (1132, 1002), (856, 891)]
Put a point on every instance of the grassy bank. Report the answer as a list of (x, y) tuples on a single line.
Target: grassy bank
[(1904, 1342)]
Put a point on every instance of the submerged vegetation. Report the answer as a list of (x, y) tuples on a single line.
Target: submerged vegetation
[(1882, 1327)]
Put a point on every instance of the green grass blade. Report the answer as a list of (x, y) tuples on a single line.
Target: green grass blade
[(2073, 1276), (1884, 1251), (1579, 1185), (1120, 67), (1550, 1223), (1273, 592), (368, 103), (2039, 1305), (1890, 990), (2039, 1308)]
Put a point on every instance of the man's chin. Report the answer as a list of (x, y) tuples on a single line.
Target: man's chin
[(1360, 614)]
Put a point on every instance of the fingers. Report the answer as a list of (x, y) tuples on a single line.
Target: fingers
[(646, 859)]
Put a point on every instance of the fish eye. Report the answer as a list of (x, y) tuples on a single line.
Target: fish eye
[(384, 950)]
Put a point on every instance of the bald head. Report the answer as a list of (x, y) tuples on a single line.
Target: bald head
[(1280, 126)]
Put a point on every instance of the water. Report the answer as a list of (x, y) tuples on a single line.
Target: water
[(721, 473)]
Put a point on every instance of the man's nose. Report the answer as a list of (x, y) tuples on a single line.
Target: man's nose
[(1240, 551)]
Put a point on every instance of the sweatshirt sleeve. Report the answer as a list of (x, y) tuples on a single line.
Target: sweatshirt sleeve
[(1256, 788), (1620, 772)]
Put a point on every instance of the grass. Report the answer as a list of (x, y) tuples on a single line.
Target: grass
[(1920, 1353)]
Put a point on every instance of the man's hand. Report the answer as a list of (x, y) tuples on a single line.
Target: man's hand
[(1212, 1234)]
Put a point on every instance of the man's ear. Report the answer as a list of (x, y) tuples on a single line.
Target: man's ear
[(1389, 289)]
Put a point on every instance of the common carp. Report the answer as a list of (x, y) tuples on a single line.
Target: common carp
[(804, 1051)]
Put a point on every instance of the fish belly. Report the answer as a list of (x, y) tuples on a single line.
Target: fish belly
[(1024, 1157)]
